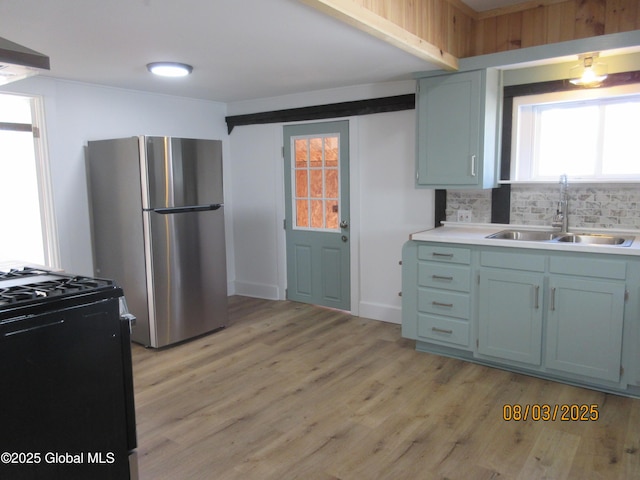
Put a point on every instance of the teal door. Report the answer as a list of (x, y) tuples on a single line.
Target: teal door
[(316, 182)]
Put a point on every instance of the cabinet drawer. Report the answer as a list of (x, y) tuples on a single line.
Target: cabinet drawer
[(589, 267), (447, 277), (443, 329), (439, 302), (443, 253), (513, 261)]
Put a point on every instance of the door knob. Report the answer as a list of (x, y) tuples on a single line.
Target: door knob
[(344, 224), (344, 238)]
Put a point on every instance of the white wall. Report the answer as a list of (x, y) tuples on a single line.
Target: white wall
[(391, 208), (257, 196), (386, 207), (76, 113)]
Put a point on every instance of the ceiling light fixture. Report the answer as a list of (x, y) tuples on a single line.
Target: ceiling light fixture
[(169, 69), (588, 72)]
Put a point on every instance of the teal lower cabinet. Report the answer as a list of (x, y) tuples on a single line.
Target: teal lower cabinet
[(442, 330), (584, 327), (561, 315), (439, 278), (586, 315), (510, 315)]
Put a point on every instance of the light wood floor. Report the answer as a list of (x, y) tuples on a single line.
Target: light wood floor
[(294, 391)]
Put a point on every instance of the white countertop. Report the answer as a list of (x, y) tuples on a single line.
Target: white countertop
[(475, 234)]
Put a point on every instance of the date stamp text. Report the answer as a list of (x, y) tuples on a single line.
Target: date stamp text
[(550, 413)]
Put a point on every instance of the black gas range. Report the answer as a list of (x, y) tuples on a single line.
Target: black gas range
[(68, 405)]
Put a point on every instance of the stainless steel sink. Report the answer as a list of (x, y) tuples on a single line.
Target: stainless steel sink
[(546, 236), (595, 239), (526, 235)]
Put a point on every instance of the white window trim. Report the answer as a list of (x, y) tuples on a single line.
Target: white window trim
[(47, 210), (48, 229)]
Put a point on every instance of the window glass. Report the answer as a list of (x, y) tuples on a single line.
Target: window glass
[(621, 152), (567, 139), (28, 226), (15, 109), (316, 181), (22, 239), (22, 230)]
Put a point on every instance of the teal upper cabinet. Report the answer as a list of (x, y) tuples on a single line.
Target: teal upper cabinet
[(458, 130)]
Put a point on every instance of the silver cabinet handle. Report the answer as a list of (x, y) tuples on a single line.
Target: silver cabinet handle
[(473, 165), (536, 290), (439, 304), (447, 255), (553, 298), (441, 330), (441, 277)]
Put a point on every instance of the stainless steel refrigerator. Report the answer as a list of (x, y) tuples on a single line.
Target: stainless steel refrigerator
[(157, 216)]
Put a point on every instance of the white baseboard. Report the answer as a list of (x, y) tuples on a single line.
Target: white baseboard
[(379, 311), (257, 290), (374, 311)]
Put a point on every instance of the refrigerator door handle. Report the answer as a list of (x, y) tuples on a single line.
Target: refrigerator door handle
[(194, 208)]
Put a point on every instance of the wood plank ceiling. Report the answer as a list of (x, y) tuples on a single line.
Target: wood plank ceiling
[(442, 31)]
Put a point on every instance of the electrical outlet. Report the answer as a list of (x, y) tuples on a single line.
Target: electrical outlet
[(464, 216)]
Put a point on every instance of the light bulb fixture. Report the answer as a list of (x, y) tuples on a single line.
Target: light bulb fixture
[(169, 69), (588, 72)]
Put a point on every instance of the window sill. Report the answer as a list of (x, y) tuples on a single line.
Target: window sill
[(571, 181)]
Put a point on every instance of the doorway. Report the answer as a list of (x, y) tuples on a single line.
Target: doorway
[(317, 214)]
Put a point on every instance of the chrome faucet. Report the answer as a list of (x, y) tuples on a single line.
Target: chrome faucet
[(561, 218)]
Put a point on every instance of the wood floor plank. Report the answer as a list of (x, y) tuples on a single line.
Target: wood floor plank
[(630, 462), (551, 456), (291, 391)]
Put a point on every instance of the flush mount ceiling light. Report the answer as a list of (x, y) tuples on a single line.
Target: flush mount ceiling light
[(588, 72), (170, 69)]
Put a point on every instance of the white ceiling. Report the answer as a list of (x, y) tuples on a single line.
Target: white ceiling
[(240, 49)]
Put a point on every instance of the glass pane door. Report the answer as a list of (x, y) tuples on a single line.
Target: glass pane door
[(316, 181)]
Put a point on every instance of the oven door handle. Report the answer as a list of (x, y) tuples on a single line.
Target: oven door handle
[(31, 329)]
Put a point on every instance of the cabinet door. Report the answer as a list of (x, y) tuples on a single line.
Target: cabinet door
[(584, 327), (410, 290), (449, 129), (510, 315)]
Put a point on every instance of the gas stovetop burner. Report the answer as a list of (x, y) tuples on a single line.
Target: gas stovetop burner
[(47, 288), (22, 272), (16, 294), (31, 286)]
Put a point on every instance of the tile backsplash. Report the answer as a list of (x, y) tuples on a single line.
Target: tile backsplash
[(590, 205), (477, 201)]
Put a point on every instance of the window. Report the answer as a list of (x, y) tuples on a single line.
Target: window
[(589, 135), (316, 181), (25, 195)]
